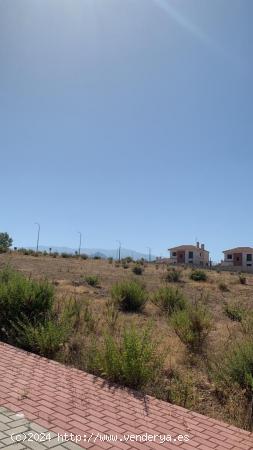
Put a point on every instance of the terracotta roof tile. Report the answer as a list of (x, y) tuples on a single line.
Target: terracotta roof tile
[(187, 248), (239, 250)]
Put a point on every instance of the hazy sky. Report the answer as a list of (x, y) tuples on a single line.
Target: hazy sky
[(127, 119)]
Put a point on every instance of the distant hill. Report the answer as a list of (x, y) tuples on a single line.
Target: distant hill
[(102, 253)]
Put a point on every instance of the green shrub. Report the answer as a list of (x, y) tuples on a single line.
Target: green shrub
[(71, 312), (130, 296), (90, 321), (92, 280), (5, 242), (22, 297), (127, 260), (137, 270), (234, 311), (233, 377), (192, 325), (45, 339), (198, 275), (140, 261), (223, 287), (26, 251), (236, 366), (181, 390), (132, 360), (84, 256), (66, 255), (247, 323), (169, 300), (22, 250), (6, 275), (242, 279), (173, 275), (81, 316), (48, 336), (112, 315)]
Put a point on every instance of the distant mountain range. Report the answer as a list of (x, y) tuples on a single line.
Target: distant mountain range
[(102, 253)]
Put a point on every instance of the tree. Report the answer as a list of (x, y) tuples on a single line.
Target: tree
[(5, 242)]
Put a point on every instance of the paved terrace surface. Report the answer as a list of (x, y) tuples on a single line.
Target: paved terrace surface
[(38, 395)]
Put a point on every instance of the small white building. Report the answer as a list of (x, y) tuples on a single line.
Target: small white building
[(239, 257), (195, 255)]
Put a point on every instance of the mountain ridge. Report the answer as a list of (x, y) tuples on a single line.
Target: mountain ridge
[(103, 253)]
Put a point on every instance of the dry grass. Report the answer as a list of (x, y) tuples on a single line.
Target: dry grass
[(68, 276)]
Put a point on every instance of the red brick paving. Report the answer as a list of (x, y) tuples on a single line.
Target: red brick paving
[(66, 400)]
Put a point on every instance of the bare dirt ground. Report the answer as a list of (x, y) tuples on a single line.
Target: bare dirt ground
[(66, 273)]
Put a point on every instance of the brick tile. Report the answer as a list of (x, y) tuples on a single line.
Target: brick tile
[(14, 447), (65, 400), (17, 430), (71, 446), (61, 424)]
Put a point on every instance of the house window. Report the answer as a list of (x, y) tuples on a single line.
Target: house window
[(229, 256), (249, 257), (249, 264), (190, 255), (174, 253)]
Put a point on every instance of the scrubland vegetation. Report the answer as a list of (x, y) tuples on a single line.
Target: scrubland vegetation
[(183, 336)]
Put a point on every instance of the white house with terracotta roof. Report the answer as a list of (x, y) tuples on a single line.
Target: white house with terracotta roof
[(240, 257), (196, 255)]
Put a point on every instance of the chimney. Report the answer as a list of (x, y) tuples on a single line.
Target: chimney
[(197, 244), (202, 246)]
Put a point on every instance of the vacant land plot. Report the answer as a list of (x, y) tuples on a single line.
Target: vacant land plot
[(185, 341)]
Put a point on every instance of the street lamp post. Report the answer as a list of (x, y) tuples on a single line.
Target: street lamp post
[(119, 250), (38, 236), (80, 242)]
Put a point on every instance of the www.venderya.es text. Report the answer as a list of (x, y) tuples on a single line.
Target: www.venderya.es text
[(93, 437)]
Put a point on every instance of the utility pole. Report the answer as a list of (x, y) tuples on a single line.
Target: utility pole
[(119, 249), (149, 254), (80, 242), (38, 236)]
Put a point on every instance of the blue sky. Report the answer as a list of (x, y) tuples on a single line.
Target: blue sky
[(127, 119)]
